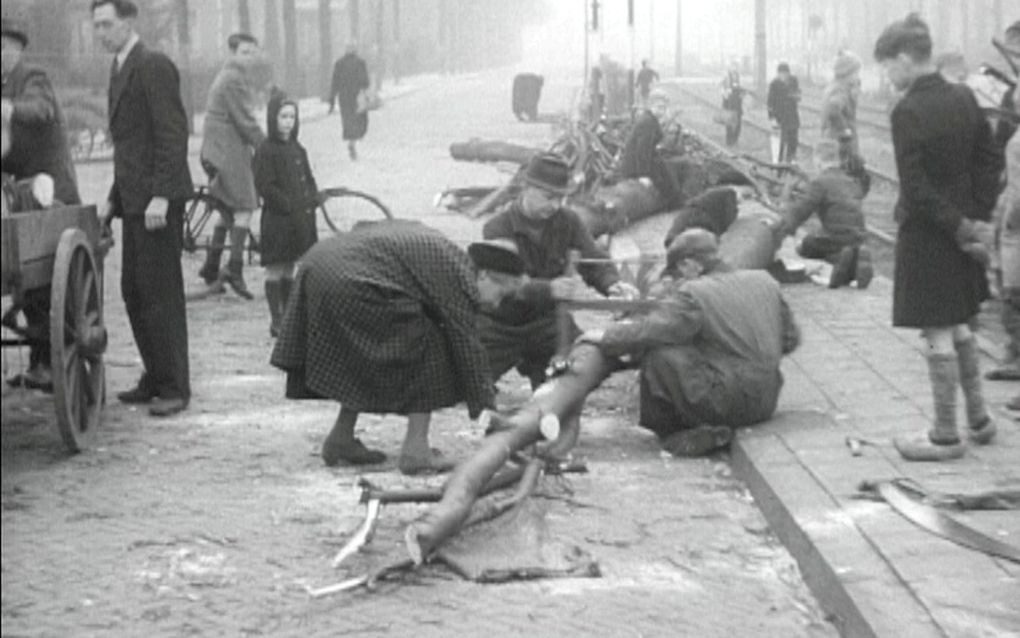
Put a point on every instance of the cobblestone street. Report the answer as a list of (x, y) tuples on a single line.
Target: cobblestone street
[(215, 522)]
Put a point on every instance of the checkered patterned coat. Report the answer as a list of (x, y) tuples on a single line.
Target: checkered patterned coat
[(383, 320)]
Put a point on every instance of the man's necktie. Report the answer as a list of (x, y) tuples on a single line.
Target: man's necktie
[(116, 67)]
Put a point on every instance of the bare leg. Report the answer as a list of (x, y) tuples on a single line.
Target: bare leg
[(342, 445), (415, 456)]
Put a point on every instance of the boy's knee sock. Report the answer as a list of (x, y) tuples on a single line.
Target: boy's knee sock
[(970, 381), (944, 374)]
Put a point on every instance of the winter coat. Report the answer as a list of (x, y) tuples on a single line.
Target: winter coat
[(782, 102), (230, 135), (839, 116), (289, 194), (949, 170), (712, 350), (836, 198), (38, 133), (350, 77), (383, 320)]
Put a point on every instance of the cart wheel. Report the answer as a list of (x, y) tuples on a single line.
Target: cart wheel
[(77, 340)]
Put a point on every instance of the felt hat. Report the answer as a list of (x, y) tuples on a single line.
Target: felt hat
[(694, 243), (549, 172), (12, 28), (783, 68), (846, 64), (497, 255)]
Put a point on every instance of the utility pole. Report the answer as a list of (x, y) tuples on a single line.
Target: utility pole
[(184, 45), (633, 62), (678, 56), (760, 71), (294, 75), (587, 54), (272, 26), (244, 16)]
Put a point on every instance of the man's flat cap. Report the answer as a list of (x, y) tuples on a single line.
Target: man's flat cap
[(497, 255)]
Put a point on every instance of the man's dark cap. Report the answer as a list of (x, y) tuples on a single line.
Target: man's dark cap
[(14, 29), (497, 255), (549, 172), (1013, 28), (783, 68)]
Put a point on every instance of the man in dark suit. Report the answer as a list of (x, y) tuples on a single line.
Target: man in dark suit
[(38, 146), (783, 96), (150, 184)]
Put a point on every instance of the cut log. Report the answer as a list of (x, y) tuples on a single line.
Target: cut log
[(562, 396), (617, 206), (752, 240), (477, 150)]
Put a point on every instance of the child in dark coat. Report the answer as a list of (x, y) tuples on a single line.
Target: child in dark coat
[(284, 181)]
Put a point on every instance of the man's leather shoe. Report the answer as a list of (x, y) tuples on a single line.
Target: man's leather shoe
[(167, 407), (135, 395)]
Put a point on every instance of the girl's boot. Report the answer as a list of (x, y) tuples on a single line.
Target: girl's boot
[(980, 426)]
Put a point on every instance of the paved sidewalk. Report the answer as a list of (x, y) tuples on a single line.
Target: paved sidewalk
[(876, 573)]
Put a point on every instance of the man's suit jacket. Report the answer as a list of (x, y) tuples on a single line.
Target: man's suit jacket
[(38, 135), (150, 133)]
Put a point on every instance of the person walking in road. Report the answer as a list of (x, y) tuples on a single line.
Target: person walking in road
[(839, 103), (949, 171), (646, 77), (151, 182), (350, 80), (290, 196), (229, 137), (39, 144), (733, 104), (783, 97)]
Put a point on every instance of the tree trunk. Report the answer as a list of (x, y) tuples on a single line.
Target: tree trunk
[(244, 16), (380, 42), (295, 78), (492, 151), (184, 45), (354, 16), (272, 27), (760, 48), (325, 47), (678, 55)]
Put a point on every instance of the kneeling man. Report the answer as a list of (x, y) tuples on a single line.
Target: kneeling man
[(709, 355)]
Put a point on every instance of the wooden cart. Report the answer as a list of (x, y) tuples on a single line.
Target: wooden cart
[(63, 248)]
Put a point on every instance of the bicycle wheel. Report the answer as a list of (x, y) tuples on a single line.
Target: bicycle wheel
[(198, 210), (342, 209)]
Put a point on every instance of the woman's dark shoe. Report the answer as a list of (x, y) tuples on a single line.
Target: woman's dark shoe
[(353, 453), (136, 395)]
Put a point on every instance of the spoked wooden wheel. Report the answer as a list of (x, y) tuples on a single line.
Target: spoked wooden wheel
[(77, 340)]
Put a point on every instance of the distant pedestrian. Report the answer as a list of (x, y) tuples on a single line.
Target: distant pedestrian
[(733, 104), (38, 144), (646, 77), (229, 137), (350, 80), (836, 198), (782, 103), (839, 103), (151, 182), (947, 193), (640, 155), (596, 95), (290, 197), (1010, 48)]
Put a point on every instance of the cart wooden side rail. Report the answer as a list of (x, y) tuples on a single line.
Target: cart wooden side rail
[(62, 248)]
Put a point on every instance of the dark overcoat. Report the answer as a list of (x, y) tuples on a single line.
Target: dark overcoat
[(350, 77), (383, 320), (230, 135), (949, 170), (38, 134), (289, 194), (782, 102)]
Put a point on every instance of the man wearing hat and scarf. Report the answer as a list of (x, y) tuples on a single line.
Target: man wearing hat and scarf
[(709, 355), (384, 320), (519, 333), (949, 171), (38, 146)]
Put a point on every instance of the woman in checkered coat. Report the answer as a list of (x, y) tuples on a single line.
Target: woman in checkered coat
[(383, 320)]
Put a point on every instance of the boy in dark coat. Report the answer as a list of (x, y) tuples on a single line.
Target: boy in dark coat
[(283, 178), (836, 198), (949, 171), (350, 78)]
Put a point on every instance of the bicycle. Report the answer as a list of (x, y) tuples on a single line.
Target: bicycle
[(341, 209)]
